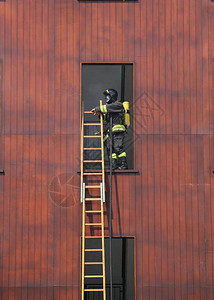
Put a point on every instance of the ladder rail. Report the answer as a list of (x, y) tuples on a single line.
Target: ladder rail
[(103, 254), (102, 146), (85, 198), (83, 251), (83, 210), (82, 138), (103, 200)]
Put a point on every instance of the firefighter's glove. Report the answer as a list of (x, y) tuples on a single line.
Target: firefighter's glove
[(94, 112)]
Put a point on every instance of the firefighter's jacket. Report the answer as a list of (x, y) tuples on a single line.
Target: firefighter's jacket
[(117, 111)]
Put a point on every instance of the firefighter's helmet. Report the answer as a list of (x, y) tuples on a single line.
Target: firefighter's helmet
[(110, 95)]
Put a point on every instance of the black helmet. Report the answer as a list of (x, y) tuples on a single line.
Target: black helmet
[(111, 95)]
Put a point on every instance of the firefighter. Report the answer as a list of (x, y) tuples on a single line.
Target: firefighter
[(115, 108)]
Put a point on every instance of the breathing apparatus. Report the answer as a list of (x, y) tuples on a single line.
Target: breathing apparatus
[(126, 113)]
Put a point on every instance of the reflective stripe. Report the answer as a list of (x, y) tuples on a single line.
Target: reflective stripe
[(118, 128), (105, 137), (114, 155), (107, 91), (122, 154), (103, 109)]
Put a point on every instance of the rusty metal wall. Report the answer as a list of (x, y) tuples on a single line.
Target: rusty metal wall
[(168, 205)]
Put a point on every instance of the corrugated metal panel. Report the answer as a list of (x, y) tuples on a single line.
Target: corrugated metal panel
[(168, 206)]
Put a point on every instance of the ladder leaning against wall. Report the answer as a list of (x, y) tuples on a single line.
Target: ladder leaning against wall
[(88, 204)]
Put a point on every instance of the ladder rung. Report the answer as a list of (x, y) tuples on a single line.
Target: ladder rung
[(92, 136), (93, 290), (92, 174), (92, 148), (92, 124), (87, 112), (93, 224), (94, 263), (90, 161), (93, 211), (93, 250), (92, 186), (93, 276), (92, 199), (93, 237)]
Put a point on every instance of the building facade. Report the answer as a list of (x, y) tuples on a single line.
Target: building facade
[(166, 205)]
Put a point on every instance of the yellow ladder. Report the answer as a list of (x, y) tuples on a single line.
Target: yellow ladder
[(88, 201)]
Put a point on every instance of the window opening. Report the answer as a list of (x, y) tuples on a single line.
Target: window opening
[(122, 269), (96, 78)]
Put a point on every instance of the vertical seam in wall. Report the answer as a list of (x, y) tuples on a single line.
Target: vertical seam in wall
[(28, 144), (54, 142), (47, 140), (16, 212), (66, 131), (41, 138), (211, 64)]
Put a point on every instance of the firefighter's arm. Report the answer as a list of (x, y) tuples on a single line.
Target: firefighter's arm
[(99, 109), (108, 108)]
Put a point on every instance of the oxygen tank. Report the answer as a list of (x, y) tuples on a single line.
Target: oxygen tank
[(126, 113)]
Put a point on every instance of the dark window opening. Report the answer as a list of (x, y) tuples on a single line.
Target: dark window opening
[(122, 269), (95, 79)]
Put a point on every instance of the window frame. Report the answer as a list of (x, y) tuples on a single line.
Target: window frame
[(133, 170)]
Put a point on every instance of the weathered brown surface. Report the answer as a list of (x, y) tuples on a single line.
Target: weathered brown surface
[(168, 207)]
